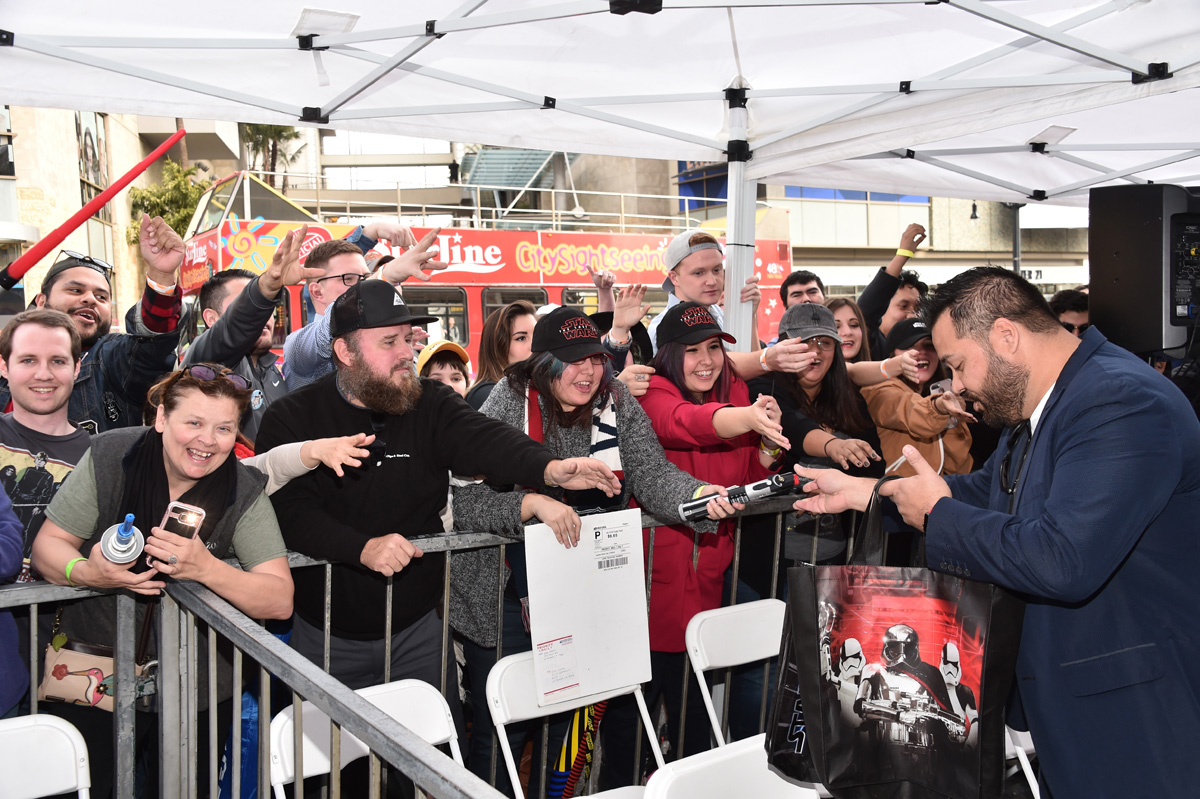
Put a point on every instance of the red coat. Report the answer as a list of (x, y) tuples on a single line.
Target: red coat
[(678, 591)]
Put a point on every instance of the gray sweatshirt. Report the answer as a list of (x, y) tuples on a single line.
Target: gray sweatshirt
[(657, 484)]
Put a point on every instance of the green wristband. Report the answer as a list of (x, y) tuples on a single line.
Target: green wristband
[(71, 565)]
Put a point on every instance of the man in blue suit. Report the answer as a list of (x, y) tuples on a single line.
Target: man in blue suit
[(1091, 512)]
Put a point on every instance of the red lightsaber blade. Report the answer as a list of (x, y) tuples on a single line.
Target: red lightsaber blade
[(13, 273)]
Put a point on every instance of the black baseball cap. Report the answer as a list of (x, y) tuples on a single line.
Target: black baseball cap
[(906, 333), (69, 260), (568, 334), (689, 323), (368, 304)]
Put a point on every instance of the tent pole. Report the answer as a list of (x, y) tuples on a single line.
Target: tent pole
[(739, 238)]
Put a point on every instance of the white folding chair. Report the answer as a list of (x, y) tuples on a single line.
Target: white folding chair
[(1019, 744), (416, 704), (732, 636), (42, 755), (739, 769), (512, 697)]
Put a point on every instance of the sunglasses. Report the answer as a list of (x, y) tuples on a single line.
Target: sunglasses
[(203, 372), (348, 279), (1079, 331), (85, 260), (823, 344)]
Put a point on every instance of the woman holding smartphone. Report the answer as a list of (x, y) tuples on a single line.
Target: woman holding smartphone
[(184, 457)]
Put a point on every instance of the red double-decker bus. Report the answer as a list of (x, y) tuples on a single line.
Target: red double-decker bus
[(488, 268)]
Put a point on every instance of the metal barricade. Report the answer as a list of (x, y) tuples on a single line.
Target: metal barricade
[(186, 607)]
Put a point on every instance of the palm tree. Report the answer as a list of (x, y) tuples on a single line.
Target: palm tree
[(270, 145)]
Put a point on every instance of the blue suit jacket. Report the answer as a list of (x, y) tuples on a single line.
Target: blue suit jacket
[(1104, 543)]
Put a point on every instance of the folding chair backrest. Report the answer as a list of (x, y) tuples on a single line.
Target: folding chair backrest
[(732, 636), (42, 755), (512, 696), (739, 769), (415, 704)]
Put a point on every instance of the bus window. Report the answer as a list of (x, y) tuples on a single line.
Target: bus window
[(494, 298), (583, 299), (214, 203), (448, 304)]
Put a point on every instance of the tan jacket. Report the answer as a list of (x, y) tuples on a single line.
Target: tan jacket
[(905, 417)]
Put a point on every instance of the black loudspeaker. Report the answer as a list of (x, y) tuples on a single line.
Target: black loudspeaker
[(1144, 254)]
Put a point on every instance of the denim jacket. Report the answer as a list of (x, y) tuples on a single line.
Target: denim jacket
[(115, 374)]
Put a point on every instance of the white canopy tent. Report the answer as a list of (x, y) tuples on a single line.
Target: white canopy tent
[(824, 92)]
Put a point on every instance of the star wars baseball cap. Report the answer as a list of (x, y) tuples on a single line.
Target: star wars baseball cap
[(689, 323), (568, 334), (906, 333), (807, 320), (368, 304), (681, 247)]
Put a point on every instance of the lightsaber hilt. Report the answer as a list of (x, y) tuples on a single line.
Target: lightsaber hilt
[(697, 508)]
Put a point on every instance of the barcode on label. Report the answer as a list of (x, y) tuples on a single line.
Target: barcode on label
[(612, 563)]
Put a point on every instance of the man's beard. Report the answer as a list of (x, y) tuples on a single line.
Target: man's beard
[(1002, 394), (103, 326), (379, 394)]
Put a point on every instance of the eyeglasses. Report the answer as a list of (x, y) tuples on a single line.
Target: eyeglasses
[(1079, 331), (348, 279), (1009, 478), (204, 372), (85, 260), (823, 344)]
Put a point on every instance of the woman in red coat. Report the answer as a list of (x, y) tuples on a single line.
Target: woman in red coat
[(701, 412)]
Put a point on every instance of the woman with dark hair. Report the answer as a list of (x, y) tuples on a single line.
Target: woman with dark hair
[(507, 335), (852, 327), (185, 457), (701, 412), (564, 396), (824, 418), (907, 411)]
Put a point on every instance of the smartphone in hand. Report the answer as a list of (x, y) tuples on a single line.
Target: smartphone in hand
[(182, 519)]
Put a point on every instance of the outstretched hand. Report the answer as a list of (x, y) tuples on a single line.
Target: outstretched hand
[(833, 491), (629, 310), (285, 268), (337, 452), (912, 237), (415, 261), (765, 418), (161, 249), (392, 232), (580, 474), (789, 355), (916, 496)]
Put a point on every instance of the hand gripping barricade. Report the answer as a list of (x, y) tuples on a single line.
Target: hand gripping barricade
[(895, 679)]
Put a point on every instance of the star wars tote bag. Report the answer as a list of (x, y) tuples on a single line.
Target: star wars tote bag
[(903, 674)]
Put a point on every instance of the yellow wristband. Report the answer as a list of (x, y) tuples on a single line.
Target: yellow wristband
[(768, 450), (67, 571), (699, 492), (905, 253)]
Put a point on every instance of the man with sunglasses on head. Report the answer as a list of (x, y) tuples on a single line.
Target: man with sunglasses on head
[(117, 369), (1087, 511), (335, 266), (238, 308)]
